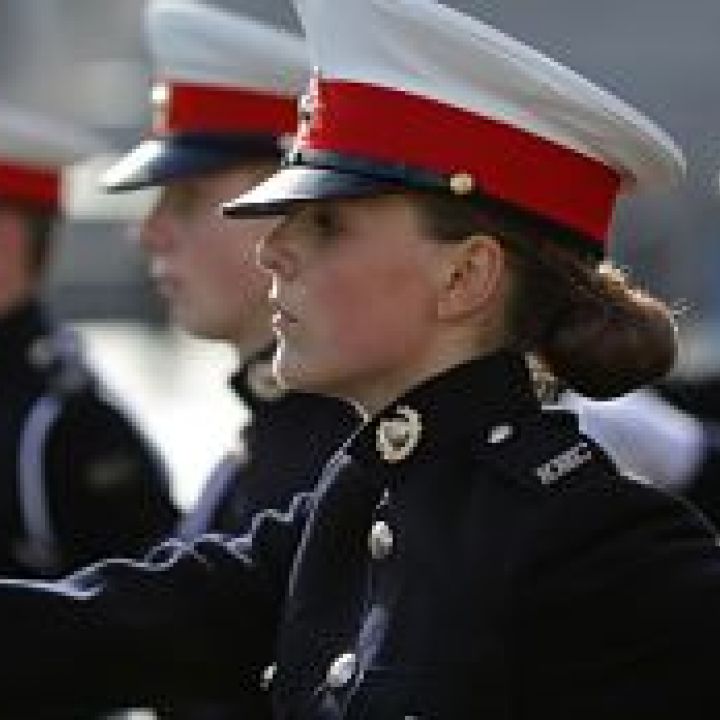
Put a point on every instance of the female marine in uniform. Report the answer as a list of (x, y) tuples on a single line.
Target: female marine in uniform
[(466, 554)]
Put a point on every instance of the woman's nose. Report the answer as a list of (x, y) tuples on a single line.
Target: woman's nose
[(274, 253), (155, 233)]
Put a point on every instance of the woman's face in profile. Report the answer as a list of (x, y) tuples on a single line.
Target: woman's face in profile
[(355, 288)]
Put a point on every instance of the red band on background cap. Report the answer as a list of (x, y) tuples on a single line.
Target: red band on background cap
[(391, 126), (33, 186), (200, 108)]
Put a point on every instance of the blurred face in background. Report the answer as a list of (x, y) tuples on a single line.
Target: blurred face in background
[(17, 280), (205, 265)]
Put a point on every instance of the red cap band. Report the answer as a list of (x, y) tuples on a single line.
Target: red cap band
[(201, 108), (39, 187), (507, 163)]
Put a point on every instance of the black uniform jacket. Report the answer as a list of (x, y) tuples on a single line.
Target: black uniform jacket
[(700, 398), (283, 449), (77, 480), (465, 555)]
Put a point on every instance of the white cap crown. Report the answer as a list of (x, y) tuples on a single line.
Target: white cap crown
[(30, 139), (432, 51), (200, 44)]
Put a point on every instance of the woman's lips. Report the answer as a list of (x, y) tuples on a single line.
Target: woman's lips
[(167, 285), (281, 317), (165, 281)]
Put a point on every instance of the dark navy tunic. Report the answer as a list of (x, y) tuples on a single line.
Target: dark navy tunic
[(77, 480), (466, 554), (701, 398), (283, 449)]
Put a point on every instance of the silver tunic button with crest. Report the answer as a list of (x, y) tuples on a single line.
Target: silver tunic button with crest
[(500, 434), (341, 671), (381, 540), (268, 675)]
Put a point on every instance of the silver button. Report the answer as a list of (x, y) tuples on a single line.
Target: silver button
[(381, 540), (384, 499), (268, 675), (341, 670), (500, 434)]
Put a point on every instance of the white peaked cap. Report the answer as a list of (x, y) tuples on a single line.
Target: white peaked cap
[(34, 149), (452, 97), (431, 50), (226, 92), (32, 139), (204, 45)]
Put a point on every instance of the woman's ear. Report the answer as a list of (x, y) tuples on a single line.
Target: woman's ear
[(473, 275)]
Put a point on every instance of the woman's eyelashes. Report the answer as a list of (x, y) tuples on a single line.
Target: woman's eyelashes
[(184, 201), (326, 223)]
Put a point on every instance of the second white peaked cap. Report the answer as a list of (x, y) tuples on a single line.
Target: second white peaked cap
[(226, 90), (458, 105), (34, 150)]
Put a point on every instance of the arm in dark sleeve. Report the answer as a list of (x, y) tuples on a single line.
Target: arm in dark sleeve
[(107, 489), (193, 620), (618, 610)]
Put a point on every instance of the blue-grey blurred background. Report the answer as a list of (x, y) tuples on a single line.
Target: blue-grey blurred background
[(86, 60)]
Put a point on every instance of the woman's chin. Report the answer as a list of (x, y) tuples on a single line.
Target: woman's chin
[(294, 374), (290, 373)]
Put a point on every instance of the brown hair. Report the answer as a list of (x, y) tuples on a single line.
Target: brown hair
[(582, 320)]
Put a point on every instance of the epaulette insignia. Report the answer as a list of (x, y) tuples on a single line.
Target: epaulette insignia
[(564, 463), (538, 451)]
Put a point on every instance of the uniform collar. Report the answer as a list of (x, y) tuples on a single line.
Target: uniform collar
[(272, 406), (254, 383), (472, 400)]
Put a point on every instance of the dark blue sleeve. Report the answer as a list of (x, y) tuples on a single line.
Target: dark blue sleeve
[(191, 620), (107, 490)]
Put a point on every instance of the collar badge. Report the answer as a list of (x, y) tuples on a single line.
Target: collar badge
[(398, 438)]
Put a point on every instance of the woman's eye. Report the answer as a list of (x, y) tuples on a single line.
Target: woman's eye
[(185, 201), (326, 223)]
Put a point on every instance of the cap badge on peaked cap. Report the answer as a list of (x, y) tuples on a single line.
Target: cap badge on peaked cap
[(308, 105), (160, 104)]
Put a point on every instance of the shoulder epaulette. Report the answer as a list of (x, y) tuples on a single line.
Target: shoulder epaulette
[(545, 450)]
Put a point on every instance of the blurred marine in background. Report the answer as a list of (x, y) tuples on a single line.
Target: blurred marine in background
[(224, 101), (77, 480)]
